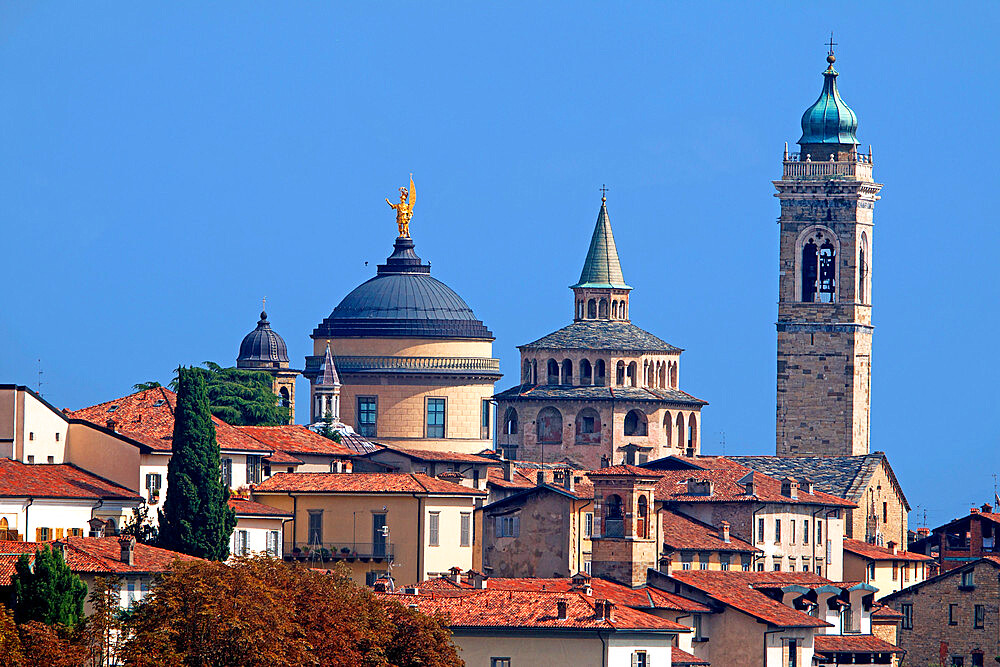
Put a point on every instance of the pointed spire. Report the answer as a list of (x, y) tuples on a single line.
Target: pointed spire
[(328, 376), (602, 267)]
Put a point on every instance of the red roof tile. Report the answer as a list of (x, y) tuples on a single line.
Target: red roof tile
[(885, 612), (244, 507), (681, 532), (283, 458), (737, 590), (623, 469), (428, 455), (93, 555), (148, 416), (531, 609), (374, 482), (853, 644), (679, 657), (295, 439), (519, 480), (873, 552), (57, 480)]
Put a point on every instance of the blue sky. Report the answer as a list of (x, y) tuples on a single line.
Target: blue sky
[(164, 166)]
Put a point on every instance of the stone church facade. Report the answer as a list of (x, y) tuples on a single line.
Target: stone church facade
[(600, 391)]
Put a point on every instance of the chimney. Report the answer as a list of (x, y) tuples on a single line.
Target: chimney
[(987, 509), (605, 461), (568, 481), (923, 532), (540, 477), (609, 611), (561, 609), (508, 470), (790, 488), (974, 510), (665, 563), (379, 586), (478, 580), (725, 531), (412, 605), (807, 486), (456, 575), (127, 544), (112, 425), (599, 609)]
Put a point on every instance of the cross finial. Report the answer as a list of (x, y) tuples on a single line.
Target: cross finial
[(604, 193), (263, 305), (830, 58)]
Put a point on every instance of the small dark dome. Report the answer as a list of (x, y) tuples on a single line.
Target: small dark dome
[(403, 300), (262, 347)]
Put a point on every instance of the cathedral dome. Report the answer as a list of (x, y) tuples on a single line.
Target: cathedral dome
[(403, 300), (262, 347), (829, 120)]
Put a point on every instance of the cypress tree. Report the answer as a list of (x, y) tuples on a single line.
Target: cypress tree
[(195, 518), (48, 592)]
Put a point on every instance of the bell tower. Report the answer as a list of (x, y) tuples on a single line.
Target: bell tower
[(625, 531), (824, 322)]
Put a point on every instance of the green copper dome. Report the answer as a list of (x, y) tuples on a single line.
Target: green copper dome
[(829, 120), (602, 268)]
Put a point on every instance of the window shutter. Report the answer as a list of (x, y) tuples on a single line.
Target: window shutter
[(517, 526), (635, 659), (498, 526), (38, 535)]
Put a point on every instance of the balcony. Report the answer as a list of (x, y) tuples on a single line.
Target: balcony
[(350, 552), (797, 166), (614, 528), (365, 364)]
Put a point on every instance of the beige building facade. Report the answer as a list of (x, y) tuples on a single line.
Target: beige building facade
[(415, 366)]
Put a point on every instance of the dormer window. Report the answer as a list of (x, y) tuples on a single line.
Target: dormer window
[(699, 487), (113, 408), (790, 488)]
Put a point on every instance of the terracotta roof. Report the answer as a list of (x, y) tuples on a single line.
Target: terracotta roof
[(519, 480), (623, 469), (244, 507), (853, 644), (679, 657), (57, 480), (885, 612), (93, 555), (531, 609), (148, 416), (874, 552), (283, 458), (428, 455), (725, 475), (362, 482), (681, 532), (644, 597), (295, 439), (737, 589)]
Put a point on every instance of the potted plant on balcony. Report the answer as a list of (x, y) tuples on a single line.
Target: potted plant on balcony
[(345, 552)]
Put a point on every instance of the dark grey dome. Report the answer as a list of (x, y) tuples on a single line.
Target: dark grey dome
[(262, 347), (403, 300)]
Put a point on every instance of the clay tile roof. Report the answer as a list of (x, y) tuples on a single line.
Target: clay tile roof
[(679, 657), (428, 455), (624, 469), (374, 482), (245, 507), (283, 458), (519, 479), (681, 532), (531, 609), (93, 555), (295, 439), (885, 612), (853, 644), (57, 480), (874, 552), (736, 590), (149, 415)]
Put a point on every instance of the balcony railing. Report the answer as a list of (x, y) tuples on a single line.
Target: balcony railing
[(799, 166), (358, 364), (614, 528), (342, 551)]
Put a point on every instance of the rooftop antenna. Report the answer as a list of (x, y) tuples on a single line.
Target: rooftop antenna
[(723, 433), (39, 387)]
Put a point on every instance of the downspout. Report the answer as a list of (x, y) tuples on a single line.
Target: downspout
[(604, 649), (766, 633), (659, 542), (420, 537), (100, 503), (30, 501), (295, 516)]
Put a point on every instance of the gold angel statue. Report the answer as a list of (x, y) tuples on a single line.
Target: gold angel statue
[(404, 209)]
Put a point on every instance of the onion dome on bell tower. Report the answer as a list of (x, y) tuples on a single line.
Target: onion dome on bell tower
[(829, 126)]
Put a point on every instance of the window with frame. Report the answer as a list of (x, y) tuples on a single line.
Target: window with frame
[(686, 559), (226, 472), (499, 662), (979, 617), (819, 531), (435, 417), (777, 531), (746, 562), (465, 530), (588, 524), (968, 579), (586, 566), (977, 660), (895, 570), (724, 562), (760, 529), (434, 529), (508, 526), (153, 482), (906, 609), (703, 558), (367, 415), (640, 659), (805, 531), (42, 534), (484, 422), (315, 527), (957, 661), (696, 625), (952, 614), (254, 468), (242, 542), (272, 544), (793, 653)]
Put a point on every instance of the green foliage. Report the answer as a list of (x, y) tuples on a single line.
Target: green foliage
[(195, 518), (104, 632), (327, 430), (241, 397), (47, 592), (143, 386), (140, 526)]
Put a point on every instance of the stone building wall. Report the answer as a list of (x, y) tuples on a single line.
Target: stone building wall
[(890, 517)]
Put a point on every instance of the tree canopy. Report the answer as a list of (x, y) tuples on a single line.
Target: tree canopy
[(287, 615), (238, 396), (47, 591), (196, 518)]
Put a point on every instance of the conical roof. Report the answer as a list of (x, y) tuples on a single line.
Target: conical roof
[(602, 269), (829, 120), (328, 376)]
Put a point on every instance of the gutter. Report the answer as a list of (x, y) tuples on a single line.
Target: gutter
[(30, 501)]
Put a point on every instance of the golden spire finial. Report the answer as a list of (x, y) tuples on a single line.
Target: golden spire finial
[(830, 58), (404, 209), (604, 193)]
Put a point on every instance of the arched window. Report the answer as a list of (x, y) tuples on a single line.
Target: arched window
[(586, 372), (614, 519), (692, 439), (592, 309), (599, 373), (679, 425), (663, 375), (552, 371), (579, 309), (635, 423), (863, 269), (817, 272), (809, 266), (526, 375), (673, 375), (549, 426), (633, 369), (510, 422), (567, 371), (827, 272), (285, 397), (642, 519), (110, 527), (620, 374), (602, 309), (588, 427), (668, 428), (614, 309)]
